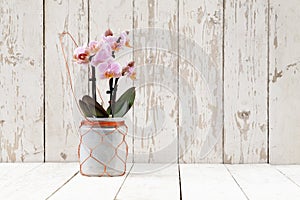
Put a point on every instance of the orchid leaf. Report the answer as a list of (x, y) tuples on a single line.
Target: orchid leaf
[(94, 107), (84, 108), (124, 103)]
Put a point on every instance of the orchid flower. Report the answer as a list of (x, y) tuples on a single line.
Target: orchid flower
[(81, 55), (102, 55), (124, 39), (129, 70), (94, 47), (109, 69)]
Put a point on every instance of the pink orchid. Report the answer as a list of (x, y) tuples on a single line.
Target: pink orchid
[(111, 41), (124, 39), (94, 46), (110, 69), (81, 55), (129, 70), (102, 55)]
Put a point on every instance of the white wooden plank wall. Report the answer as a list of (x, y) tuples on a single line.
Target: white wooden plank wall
[(245, 81), (21, 81), (284, 80), (155, 53), (200, 22), (61, 139), (251, 49)]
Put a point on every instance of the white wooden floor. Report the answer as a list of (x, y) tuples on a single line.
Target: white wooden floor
[(151, 181)]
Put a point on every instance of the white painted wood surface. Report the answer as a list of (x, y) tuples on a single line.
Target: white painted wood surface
[(21, 81), (284, 79), (200, 81), (262, 181), (62, 123), (151, 181), (10, 172), (82, 187), (248, 26), (208, 181), (155, 53), (118, 18), (245, 84), (290, 171), (40, 182)]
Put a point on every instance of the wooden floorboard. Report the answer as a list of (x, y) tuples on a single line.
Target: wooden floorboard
[(263, 181), (151, 182), (208, 182), (40, 182), (82, 187), (292, 172), (10, 172)]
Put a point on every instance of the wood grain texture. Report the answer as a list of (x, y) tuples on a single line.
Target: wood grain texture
[(245, 85), (200, 81), (116, 15), (284, 80), (155, 53), (61, 119), (21, 81)]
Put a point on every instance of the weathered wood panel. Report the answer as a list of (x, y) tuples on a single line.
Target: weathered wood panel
[(245, 81), (116, 15), (61, 121), (155, 53), (21, 81), (284, 81), (200, 81)]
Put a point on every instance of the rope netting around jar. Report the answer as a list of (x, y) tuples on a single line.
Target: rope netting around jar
[(102, 149)]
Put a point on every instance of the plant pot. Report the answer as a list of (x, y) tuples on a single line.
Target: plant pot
[(102, 149)]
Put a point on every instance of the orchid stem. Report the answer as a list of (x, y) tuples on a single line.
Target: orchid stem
[(93, 80)]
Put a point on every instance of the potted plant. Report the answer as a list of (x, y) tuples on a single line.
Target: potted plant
[(103, 149)]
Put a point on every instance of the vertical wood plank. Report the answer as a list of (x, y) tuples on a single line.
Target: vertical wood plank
[(245, 81), (284, 80), (21, 81), (116, 15), (61, 124), (200, 81), (155, 53)]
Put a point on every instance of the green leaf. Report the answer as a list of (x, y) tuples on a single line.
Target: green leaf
[(94, 107), (124, 103), (84, 108)]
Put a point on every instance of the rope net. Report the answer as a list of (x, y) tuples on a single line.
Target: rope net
[(102, 150)]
